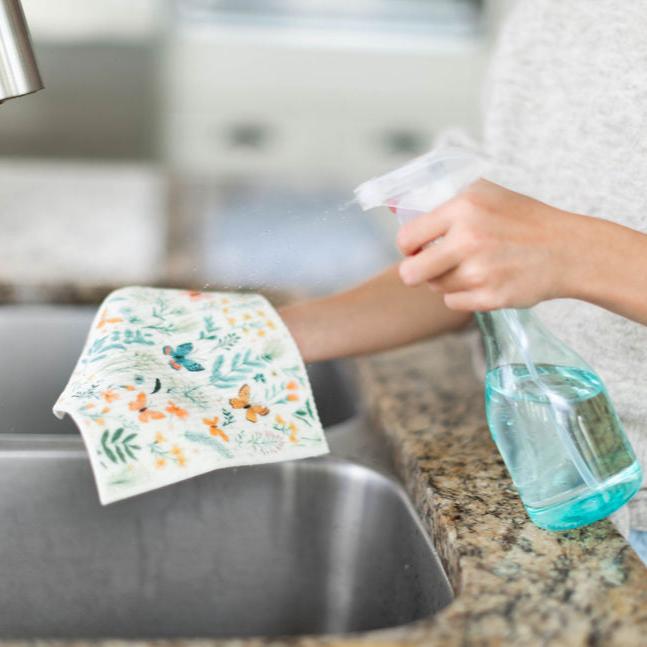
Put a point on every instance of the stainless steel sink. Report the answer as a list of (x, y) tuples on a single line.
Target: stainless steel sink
[(42, 343), (326, 545)]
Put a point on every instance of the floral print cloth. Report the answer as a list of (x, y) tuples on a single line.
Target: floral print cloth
[(171, 384)]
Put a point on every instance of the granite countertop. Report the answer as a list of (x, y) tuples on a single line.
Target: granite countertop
[(514, 583)]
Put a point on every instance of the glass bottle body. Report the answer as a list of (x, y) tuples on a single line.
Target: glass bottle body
[(553, 422)]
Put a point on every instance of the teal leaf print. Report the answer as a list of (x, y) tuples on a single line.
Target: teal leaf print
[(295, 373), (194, 395), (275, 394), (259, 442), (305, 414), (242, 365), (209, 441), (227, 342), (119, 448), (87, 392), (138, 337), (165, 318), (100, 348), (228, 417), (209, 329)]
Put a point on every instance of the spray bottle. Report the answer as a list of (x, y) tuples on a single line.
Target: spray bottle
[(548, 411)]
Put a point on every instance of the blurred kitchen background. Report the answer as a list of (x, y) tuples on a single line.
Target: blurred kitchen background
[(216, 143)]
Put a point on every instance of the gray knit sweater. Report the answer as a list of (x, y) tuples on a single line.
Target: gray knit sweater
[(566, 114)]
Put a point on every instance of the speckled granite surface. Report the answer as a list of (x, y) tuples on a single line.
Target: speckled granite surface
[(515, 584)]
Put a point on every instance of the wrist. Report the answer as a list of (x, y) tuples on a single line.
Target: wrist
[(292, 316), (579, 253), (603, 263)]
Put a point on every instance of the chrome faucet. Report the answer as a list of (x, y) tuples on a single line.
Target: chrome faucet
[(19, 73)]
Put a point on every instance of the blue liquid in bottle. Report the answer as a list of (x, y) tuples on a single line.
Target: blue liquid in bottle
[(529, 416)]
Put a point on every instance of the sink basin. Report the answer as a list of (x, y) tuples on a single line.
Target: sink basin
[(308, 547), (42, 344), (318, 546)]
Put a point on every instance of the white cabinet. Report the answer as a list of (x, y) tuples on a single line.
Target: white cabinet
[(242, 101)]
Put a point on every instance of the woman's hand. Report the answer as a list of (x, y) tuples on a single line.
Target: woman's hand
[(497, 249)]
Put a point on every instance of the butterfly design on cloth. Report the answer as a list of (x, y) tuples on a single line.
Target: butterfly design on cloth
[(243, 402), (174, 410), (179, 358), (140, 404), (214, 429)]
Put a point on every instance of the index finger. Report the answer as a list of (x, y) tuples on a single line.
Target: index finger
[(424, 229)]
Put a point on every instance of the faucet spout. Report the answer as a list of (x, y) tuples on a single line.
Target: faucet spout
[(19, 73)]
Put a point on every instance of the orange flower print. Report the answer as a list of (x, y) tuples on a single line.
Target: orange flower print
[(145, 414), (195, 295), (214, 430), (160, 438), (160, 462), (105, 319), (174, 410), (96, 417), (286, 428), (292, 386), (110, 396), (178, 455)]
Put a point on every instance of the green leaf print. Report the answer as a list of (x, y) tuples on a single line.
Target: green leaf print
[(209, 441), (305, 414), (295, 373), (99, 349), (138, 337), (118, 449), (242, 365), (227, 342), (209, 329), (228, 417), (259, 442)]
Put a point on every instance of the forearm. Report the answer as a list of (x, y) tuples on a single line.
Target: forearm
[(377, 315), (610, 268)]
